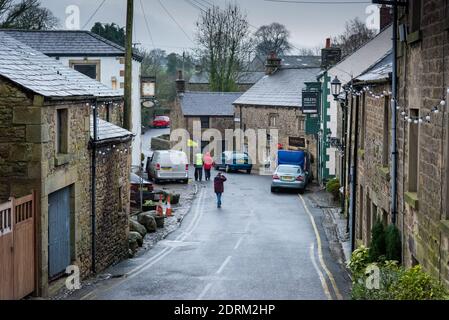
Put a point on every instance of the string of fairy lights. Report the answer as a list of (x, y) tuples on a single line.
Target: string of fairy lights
[(403, 112), (112, 147)]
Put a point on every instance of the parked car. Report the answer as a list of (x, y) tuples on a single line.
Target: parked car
[(234, 161), (166, 165), (289, 177), (161, 122)]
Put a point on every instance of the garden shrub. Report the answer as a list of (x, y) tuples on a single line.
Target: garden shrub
[(333, 187), (377, 249), (393, 246)]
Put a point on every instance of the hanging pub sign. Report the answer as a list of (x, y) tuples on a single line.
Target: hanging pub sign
[(148, 87), (310, 101)]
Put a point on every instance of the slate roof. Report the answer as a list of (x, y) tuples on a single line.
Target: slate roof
[(108, 131), (380, 70), (244, 77), (209, 103), (44, 75), (291, 61), (68, 43), (366, 56), (283, 88)]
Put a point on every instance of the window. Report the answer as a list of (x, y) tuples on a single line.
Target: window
[(273, 120), (368, 219), (205, 122), (61, 131), (415, 15), (360, 220), (413, 143), (301, 124), (90, 68), (386, 134)]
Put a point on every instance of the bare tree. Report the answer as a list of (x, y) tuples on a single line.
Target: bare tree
[(223, 38), (355, 35), (272, 38), (315, 51), (26, 14)]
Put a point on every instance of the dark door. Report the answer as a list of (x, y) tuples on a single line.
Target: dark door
[(58, 232)]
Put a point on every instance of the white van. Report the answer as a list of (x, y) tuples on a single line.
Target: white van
[(168, 165)]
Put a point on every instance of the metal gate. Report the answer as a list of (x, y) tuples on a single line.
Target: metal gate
[(17, 247), (59, 255)]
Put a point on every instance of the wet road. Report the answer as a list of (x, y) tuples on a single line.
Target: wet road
[(258, 246)]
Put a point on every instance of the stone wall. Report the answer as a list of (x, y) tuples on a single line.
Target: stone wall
[(113, 200), (258, 117), (423, 80), (373, 173), (28, 161)]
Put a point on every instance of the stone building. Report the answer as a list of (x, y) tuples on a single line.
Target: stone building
[(372, 124), (45, 146), (208, 110), (275, 102), (423, 167), (94, 56)]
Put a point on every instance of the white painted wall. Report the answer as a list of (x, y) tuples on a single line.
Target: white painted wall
[(110, 67)]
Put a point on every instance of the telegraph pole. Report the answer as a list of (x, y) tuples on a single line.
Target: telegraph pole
[(127, 123)]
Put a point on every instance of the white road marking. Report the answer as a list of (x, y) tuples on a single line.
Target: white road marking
[(320, 274), (204, 292), (156, 258), (224, 265), (239, 242), (320, 252)]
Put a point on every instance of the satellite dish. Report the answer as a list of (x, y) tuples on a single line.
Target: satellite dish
[(148, 104)]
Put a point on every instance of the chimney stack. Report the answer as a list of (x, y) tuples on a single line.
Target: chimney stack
[(180, 83), (273, 64), (330, 56), (386, 17)]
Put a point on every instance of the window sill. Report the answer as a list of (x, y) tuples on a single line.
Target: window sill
[(62, 159), (411, 198), (384, 172), (414, 37)]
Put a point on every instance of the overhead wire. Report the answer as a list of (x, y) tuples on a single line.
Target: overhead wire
[(175, 21), (94, 13)]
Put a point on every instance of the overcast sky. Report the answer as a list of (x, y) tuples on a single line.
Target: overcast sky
[(309, 24)]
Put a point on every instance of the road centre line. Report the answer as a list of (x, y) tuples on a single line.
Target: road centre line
[(320, 251), (204, 292), (223, 265), (239, 242)]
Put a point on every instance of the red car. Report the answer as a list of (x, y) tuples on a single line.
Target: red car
[(161, 122)]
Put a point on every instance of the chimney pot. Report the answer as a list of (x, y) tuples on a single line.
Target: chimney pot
[(180, 83), (386, 16), (273, 63), (328, 43)]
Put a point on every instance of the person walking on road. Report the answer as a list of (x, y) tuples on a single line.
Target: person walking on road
[(219, 187), (208, 162), (198, 167)]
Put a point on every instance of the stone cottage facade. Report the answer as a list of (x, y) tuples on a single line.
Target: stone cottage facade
[(205, 110), (45, 138), (275, 102), (94, 56), (372, 124), (423, 167)]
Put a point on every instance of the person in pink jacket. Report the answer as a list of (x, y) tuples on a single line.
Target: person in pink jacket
[(208, 163)]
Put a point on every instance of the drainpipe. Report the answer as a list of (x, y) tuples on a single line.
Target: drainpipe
[(344, 106), (93, 182), (349, 163), (394, 152), (354, 173)]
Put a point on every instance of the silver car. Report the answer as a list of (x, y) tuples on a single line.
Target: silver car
[(168, 165), (289, 177)]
